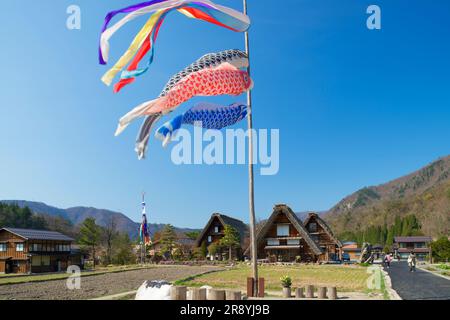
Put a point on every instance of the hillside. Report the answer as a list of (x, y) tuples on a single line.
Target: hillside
[(424, 193), (77, 215)]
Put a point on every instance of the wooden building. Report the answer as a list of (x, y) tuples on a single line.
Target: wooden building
[(213, 232), (285, 238), (403, 246), (182, 243), (352, 251), (36, 251), (321, 233)]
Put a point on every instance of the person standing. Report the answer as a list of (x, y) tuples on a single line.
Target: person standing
[(412, 262)]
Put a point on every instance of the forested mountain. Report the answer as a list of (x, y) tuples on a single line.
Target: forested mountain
[(67, 220), (424, 194)]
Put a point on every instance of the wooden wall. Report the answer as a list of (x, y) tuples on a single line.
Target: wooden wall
[(11, 240), (325, 241), (210, 232)]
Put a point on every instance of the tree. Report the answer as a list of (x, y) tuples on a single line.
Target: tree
[(440, 249), (90, 235), (231, 239), (193, 235), (123, 253), (15, 217), (168, 237), (203, 250), (213, 249), (109, 234)]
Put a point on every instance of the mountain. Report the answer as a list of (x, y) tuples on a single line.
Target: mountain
[(424, 193), (77, 215)]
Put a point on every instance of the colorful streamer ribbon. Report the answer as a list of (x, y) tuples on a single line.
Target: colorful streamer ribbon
[(144, 40)]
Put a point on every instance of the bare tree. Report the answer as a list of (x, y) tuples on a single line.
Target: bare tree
[(109, 234)]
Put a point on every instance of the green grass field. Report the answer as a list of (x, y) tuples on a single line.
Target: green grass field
[(345, 278)]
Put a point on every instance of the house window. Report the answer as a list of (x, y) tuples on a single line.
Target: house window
[(273, 242), (216, 229), (293, 242), (315, 237), (3, 247), (19, 247), (209, 239), (312, 227), (283, 230)]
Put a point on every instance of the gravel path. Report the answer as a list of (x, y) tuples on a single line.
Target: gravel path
[(419, 285), (97, 286)]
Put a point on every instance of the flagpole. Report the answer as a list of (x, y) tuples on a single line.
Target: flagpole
[(250, 172), (143, 235)]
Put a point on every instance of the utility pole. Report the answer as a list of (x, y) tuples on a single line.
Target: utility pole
[(251, 181)]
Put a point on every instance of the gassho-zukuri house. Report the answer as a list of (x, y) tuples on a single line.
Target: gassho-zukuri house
[(281, 238), (213, 232), (36, 251)]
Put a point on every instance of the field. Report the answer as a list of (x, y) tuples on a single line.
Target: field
[(14, 278), (99, 284), (345, 278)]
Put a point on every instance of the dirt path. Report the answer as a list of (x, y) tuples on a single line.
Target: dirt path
[(97, 286)]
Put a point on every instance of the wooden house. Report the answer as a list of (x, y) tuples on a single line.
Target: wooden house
[(352, 251), (321, 233), (36, 251), (182, 242), (285, 238), (420, 245), (213, 232)]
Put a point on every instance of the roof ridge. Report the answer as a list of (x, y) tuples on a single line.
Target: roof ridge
[(25, 229)]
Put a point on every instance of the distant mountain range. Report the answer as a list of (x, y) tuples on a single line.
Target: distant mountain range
[(77, 215), (424, 193)]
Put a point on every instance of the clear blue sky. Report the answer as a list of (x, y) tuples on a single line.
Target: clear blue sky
[(354, 107)]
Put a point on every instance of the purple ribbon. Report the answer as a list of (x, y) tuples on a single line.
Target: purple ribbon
[(112, 14)]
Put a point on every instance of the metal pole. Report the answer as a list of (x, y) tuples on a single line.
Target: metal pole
[(251, 184)]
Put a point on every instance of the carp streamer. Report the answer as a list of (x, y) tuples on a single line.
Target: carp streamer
[(205, 115), (225, 79)]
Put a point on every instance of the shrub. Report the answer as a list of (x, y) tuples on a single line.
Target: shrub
[(444, 267), (286, 281), (365, 264), (441, 250)]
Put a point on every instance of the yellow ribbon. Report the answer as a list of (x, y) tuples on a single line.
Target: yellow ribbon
[(134, 47)]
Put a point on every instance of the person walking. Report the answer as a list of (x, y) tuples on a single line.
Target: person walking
[(387, 260), (412, 262)]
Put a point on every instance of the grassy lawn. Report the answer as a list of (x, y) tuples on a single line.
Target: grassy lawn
[(345, 278), (14, 279)]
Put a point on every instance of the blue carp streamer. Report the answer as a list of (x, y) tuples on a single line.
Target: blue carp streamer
[(205, 115)]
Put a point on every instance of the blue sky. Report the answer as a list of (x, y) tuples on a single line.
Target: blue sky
[(354, 107)]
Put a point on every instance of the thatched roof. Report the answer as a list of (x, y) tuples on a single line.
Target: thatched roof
[(240, 226), (296, 222), (324, 225)]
